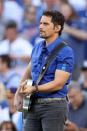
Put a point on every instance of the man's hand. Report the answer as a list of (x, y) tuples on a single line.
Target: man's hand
[(70, 126), (18, 102), (27, 90), (18, 99)]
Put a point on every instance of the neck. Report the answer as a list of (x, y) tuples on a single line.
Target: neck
[(51, 39), (5, 71), (11, 40)]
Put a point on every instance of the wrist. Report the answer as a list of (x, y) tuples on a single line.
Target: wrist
[(33, 89)]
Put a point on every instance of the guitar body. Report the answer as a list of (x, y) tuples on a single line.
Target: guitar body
[(27, 101)]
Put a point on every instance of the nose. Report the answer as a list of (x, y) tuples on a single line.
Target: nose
[(41, 26)]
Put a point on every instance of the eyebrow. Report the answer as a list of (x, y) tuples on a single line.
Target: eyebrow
[(45, 23)]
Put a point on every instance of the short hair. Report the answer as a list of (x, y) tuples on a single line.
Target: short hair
[(6, 123), (11, 24), (74, 85), (6, 58), (57, 18)]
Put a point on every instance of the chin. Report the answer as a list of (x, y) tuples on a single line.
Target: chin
[(41, 36)]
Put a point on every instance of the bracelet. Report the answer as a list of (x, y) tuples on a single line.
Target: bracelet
[(36, 86)]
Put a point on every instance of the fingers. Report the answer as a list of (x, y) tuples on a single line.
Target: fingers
[(19, 108), (24, 93)]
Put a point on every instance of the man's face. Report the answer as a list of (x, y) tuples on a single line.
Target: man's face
[(50, 2), (75, 97), (31, 14), (11, 34), (66, 10), (47, 28), (7, 127)]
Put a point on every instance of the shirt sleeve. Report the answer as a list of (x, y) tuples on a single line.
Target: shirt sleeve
[(65, 59)]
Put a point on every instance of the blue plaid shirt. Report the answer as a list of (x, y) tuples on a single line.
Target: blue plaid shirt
[(63, 61)]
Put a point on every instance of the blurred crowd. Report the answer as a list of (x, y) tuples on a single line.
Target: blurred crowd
[(19, 33)]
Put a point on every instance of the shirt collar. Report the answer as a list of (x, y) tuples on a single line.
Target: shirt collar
[(51, 46)]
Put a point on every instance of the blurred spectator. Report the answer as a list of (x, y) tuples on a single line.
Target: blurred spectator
[(78, 4), (30, 28), (7, 76), (75, 33), (2, 22), (50, 5), (27, 2), (20, 2), (37, 4), (14, 116), (3, 104), (59, 3), (77, 117), (80, 7), (84, 74), (7, 126), (18, 48), (12, 11)]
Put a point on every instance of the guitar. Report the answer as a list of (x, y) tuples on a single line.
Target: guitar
[(26, 100)]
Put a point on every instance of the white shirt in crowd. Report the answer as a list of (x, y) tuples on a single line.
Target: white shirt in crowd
[(20, 47), (12, 11), (78, 4)]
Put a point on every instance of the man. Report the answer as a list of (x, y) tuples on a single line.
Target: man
[(18, 48), (8, 76), (30, 29), (77, 118), (84, 74), (49, 115)]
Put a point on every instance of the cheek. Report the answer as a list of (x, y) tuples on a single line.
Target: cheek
[(49, 31)]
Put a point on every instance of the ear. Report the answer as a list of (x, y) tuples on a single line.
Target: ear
[(58, 28)]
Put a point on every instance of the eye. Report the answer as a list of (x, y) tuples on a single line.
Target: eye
[(46, 23)]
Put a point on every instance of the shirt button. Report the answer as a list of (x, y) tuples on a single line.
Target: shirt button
[(44, 68)]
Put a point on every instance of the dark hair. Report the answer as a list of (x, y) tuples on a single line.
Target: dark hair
[(6, 123), (64, 1), (11, 24), (57, 18), (6, 58)]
